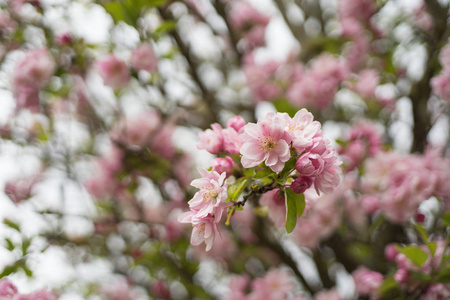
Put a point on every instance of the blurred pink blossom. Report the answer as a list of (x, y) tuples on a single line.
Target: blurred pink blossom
[(31, 74), (144, 58), (113, 71), (367, 282)]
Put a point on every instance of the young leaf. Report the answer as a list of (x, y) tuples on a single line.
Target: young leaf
[(263, 173), (387, 285), (291, 212), (235, 190), (414, 253), (446, 219), (299, 201), (230, 213), (444, 275)]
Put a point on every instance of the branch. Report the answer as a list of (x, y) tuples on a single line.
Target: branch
[(266, 239), (193, 67), (420, 92)]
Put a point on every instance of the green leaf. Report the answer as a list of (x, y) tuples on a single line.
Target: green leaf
[(263, 173), (283, 105), (9, 244), (11, 224), (235, 190), (413, 253), (444, 275), (299, 201), (166, 26), (446, 219), (432, 246), (129, 11), (423, 233), (291, 212), (387, 285)]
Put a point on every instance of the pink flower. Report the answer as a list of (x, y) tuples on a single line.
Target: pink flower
[(441, 85), (143, 58), (402, 276), (21, 189), (237, 285), (303, 129), (160, 289), (301, 184), (367, 82), (250, 22), (231, 140), (266, 141), (310, 164), (328, 179), (221, 165), (113, 71), (370, 204), (237, 123), (356, 9), (31, 74), (64, 39), (275, 285), (162, 141), (367, 282), (438, 291), (138, 129), (327, 295), (119, 290), (444, 57), (274, 200), (210, 199), (204, 229), (7, 289), (211, 140)]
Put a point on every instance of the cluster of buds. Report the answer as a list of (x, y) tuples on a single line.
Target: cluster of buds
[(278, 152)]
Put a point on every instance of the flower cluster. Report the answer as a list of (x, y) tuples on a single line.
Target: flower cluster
[(399, 183), (276, 284), (206, 206), (251, 23), (115, 72), (314, 85), (268, 144), (31, 74)]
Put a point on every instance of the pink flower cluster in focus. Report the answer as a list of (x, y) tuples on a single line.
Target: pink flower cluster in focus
[(206, 206)]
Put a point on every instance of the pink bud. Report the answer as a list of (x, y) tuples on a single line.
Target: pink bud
[(64, 39), (401, 276), (221, 165), (390, 252), (236, 122), (301, 184), (160, 289), (310, 164), (420, 218)]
